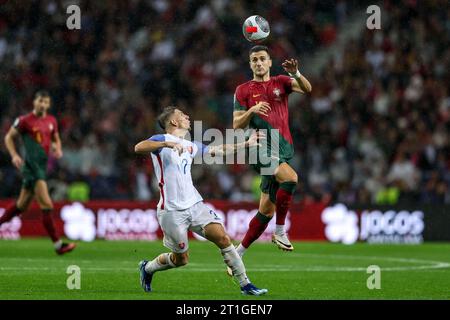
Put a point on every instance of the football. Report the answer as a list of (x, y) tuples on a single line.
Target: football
[(256, 29)]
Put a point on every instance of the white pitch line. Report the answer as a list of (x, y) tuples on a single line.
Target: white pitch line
[(297, 269), (429, 264), (362, 257)]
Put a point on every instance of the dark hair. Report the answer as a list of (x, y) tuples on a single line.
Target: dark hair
[(42, 94), (259, 48), (164, 117)]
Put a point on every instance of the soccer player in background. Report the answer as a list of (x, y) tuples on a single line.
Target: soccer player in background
[(262, 103), (181, 207), (39, 132)]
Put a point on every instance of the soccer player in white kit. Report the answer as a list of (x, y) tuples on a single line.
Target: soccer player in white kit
[(181, 207)]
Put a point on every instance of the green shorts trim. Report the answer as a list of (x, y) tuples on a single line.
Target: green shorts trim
[(31, 173)]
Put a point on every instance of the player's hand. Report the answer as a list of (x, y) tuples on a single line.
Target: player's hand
[(262, 108), (17, 161), (255, 139), (290, 66), (175, 147), (58, 153)]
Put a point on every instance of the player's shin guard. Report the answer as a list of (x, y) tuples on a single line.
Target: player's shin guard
[(234, 261), (47, 221), (283, 202), (256, 228), (10, 213), (156, 265)]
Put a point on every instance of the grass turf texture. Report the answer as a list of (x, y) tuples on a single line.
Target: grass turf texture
[(29, 269)]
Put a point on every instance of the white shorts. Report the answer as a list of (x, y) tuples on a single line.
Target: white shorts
[(175, 225)]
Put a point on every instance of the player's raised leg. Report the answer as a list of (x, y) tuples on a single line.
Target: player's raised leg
[(215, 233), (46, 205), (21, 205), (258, 224), (287, 179)]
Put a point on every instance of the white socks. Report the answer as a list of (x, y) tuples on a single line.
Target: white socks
[(230, 257), (241, 250), (234, 261), (156, 265), (58, 244), (279, 229)]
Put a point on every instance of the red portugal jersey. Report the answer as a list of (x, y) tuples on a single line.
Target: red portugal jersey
[(37, 132), (274, 91)]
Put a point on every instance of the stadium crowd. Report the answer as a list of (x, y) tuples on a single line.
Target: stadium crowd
[(374, 130)]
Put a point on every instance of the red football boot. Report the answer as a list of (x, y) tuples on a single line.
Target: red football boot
[(65, 248)]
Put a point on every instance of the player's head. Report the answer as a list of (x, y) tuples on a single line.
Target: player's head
[(173, 118), (41, 102), (260, 61)]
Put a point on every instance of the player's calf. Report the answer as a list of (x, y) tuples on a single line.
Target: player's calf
[(179, 259), (10, 213), (162, 262), (256, 227), (283, 202)]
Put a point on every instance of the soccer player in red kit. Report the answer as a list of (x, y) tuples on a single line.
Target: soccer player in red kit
[(39, 132), (262, 103)]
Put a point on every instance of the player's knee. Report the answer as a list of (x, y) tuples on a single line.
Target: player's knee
[(46, 205), (295, 178), (267, 212), (292, 178), (47, 208), (224, 241), (22, 206), (181, 260)]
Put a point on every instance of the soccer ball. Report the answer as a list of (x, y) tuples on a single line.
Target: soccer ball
[(256, 29)]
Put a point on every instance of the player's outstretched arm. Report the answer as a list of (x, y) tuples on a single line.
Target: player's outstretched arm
[(147, 146), (10, 146), (299, 83), (224, 149)]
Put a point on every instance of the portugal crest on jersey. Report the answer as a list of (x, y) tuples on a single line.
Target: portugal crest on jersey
[(277, 92)]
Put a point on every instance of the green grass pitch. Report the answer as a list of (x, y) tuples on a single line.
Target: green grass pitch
[(29, 269)]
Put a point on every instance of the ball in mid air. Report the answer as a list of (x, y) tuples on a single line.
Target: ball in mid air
[(256, 29)]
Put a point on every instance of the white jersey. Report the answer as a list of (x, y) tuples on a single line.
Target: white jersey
[(173, 171)]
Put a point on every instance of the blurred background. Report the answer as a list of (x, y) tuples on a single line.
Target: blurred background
[(375, 129)]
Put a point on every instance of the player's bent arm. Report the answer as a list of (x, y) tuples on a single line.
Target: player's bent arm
[(9, 142), (300, 83), (148, 146), (241, 119)]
